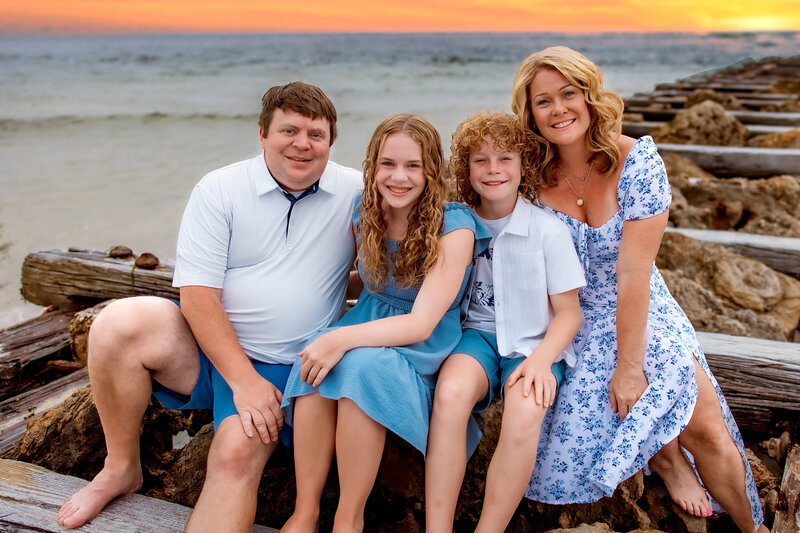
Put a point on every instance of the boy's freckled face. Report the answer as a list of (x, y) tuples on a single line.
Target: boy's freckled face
[(495, 174)]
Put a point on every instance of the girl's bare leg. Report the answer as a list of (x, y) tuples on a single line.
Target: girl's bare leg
[(314, 438)]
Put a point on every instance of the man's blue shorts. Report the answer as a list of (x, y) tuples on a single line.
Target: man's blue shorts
[(482, 347), (212, 392)]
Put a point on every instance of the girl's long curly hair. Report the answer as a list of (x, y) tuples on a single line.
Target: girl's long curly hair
[(605, 107), (502, 132), (419, 249)]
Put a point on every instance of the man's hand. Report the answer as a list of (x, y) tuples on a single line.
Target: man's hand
[(320, 356), (536, 374), (626, 387), (258, 403)]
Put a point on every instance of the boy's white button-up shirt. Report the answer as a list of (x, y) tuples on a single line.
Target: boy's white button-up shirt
[(282, 268), (533, 258)]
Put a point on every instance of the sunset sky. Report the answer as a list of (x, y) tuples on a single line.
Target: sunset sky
[(235, 16)]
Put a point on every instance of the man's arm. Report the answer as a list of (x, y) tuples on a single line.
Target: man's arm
[(256, 400)]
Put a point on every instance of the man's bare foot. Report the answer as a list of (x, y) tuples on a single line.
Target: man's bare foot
[(90, 500), (301, 523), (682, 484)]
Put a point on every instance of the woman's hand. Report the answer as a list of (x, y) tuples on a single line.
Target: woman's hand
[(627, 386), (320, 356), (536, 374)]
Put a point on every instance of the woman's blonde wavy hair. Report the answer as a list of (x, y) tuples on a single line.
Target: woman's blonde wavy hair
[(419, 249), (605, 108), (502, 132)]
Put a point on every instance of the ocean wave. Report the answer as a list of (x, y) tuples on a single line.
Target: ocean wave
[(13, 124)]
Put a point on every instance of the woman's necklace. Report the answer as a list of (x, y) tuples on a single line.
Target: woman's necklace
[(584, 179)]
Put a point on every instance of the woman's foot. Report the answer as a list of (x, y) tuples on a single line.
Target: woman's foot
[(681, 481), (90, 500)]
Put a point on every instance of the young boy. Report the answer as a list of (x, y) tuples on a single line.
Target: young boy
[(518, 323)]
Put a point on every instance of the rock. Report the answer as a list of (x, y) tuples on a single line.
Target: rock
[(704, 123), (781, 139), (777, 447), (79, 331), (680, 166), (632, 117), (147, 261), (120, 252), (769, 504), (725, 292), (665, 514), (597, 527), (765, 480), (766, 206), (728, 101)]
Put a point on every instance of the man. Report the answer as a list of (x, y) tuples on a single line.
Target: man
[(263, 254)]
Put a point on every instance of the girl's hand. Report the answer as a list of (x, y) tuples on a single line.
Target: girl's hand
[(535, 374), (627, 386), (320, 356)]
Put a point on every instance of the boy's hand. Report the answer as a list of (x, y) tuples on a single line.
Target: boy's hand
[(535, 374), (319, 357)]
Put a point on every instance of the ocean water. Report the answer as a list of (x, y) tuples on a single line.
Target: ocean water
[(102, 138)]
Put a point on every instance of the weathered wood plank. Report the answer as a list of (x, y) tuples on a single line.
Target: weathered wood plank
[(25, 347), (769, 118), (756, 375), (679, 101), (638, 129), (53, 277), (779, 253), (775, 97), (15, 412), (720, 86), (30, 497), (739, 160)]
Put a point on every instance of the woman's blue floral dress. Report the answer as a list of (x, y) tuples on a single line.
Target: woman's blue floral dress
[(588, 451)]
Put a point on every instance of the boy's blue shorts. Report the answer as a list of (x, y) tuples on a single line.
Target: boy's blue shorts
[(482, 346), (212, 392)]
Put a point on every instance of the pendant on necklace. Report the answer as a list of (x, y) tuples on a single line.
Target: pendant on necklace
[(579, 201)]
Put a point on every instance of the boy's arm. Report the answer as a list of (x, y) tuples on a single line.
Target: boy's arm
[(535, 370), (436, 294)]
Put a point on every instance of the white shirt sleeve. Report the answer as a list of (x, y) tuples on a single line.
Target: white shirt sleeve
[(562, 266), (202, 253)]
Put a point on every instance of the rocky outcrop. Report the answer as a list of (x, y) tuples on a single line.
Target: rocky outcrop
[(698, 96), (725, 292), (705, 123), (780, 139), (766, 206)]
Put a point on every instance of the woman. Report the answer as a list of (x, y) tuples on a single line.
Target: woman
[(375, 369), (641, 390)]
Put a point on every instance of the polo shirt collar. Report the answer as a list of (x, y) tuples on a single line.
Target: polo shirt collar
[(265, 182), (518, 223)]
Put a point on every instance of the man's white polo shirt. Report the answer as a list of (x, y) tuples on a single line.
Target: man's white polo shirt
[(282, 269)]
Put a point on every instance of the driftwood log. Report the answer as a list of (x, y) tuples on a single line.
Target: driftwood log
[(739, 160), (775, 97), (638, 129), (55, 277), (678, 101), (779, 253), (25, 349), (15, 412), (30, 497), (767, 118), (787, 515)]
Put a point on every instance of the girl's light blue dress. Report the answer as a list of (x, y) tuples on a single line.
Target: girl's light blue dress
[(394, 386), (588, 451)]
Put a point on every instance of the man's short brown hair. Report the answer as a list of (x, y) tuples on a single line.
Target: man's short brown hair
[(308, 100)]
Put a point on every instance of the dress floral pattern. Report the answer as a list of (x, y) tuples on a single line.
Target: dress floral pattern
[(588, 450)]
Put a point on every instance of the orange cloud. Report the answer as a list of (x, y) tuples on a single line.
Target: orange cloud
[(133, 16)]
